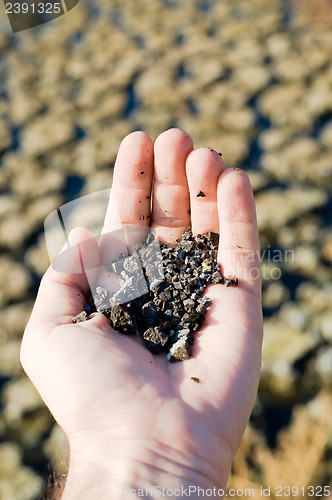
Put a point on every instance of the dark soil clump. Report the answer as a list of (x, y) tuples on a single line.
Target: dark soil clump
[(161, 296)]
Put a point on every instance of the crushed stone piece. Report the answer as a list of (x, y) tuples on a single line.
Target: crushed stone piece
[(155, 339), (180, 350), (80, 317)]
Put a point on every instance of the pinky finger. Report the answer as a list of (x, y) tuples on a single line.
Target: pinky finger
[(239, 250)]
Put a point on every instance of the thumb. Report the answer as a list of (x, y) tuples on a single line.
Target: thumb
[(65, 286)]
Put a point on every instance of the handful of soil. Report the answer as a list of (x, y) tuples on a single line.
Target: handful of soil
[(161, 296)]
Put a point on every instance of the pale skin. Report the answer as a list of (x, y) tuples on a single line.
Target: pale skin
[(132, 418)]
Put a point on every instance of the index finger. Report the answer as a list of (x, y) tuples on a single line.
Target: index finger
[(130, 199)]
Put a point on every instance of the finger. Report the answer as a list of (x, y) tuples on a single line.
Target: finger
[(239, 242), (130, 199), (65, 287), (234, 350), (203, 167), (171, 205)]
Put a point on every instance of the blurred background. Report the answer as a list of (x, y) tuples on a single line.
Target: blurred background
[(249, 78)]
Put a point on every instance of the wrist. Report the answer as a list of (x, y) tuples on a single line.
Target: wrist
[(126, 469)]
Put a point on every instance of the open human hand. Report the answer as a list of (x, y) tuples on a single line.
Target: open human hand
[(133, 419)]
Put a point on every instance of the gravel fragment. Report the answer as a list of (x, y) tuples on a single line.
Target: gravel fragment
[(80, 317), (155, 339)]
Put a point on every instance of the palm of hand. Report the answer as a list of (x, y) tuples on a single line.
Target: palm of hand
[(103, 385)]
